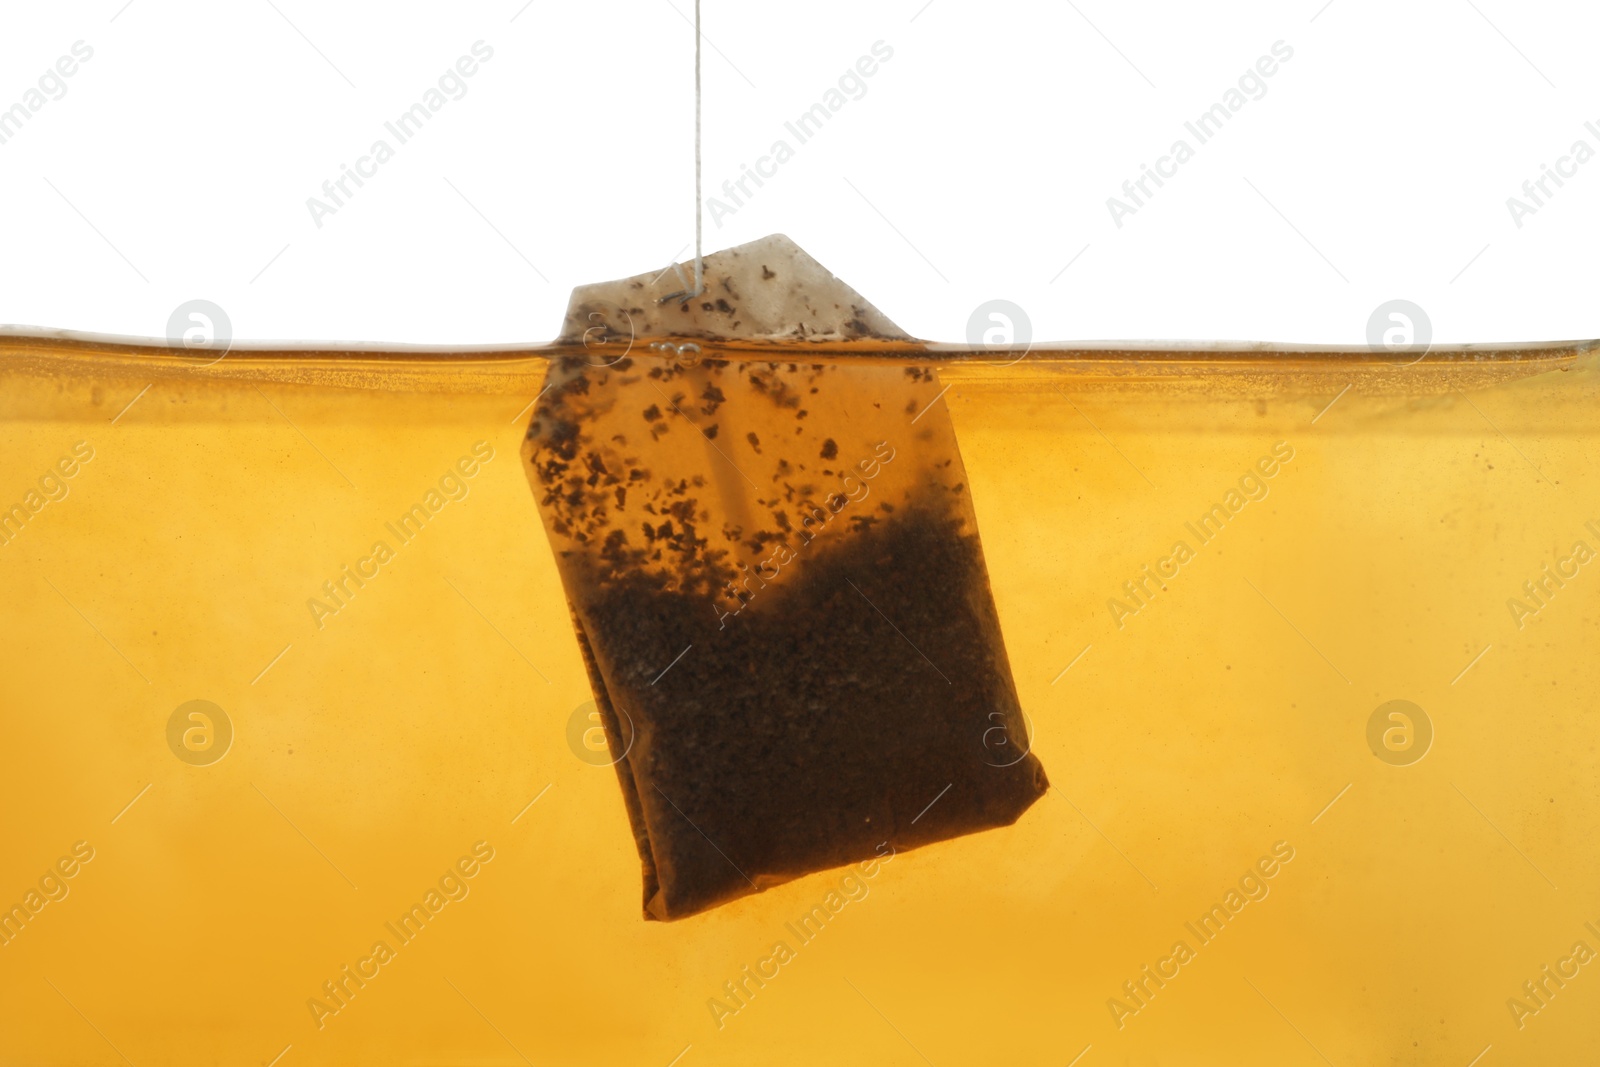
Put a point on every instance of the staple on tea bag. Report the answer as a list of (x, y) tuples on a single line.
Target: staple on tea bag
[(775, 576)]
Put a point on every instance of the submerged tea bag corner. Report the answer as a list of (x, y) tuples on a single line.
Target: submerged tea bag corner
[(775, 576)]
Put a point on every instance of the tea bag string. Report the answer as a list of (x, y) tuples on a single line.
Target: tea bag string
[(699, 212), (699, 207)]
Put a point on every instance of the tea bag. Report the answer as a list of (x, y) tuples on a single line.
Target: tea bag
[(772, 560)]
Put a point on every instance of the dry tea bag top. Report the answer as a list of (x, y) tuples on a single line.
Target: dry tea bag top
[(773, 563)]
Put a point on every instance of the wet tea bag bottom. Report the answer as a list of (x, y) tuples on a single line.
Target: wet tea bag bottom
[(775, 573), (813, 732)]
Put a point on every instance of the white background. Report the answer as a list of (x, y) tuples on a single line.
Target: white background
[(977, 165)]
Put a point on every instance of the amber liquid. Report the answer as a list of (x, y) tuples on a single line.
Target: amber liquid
[(1229, 773)]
